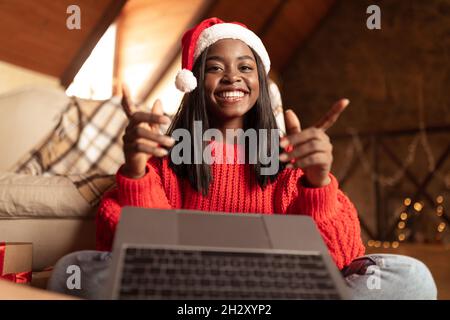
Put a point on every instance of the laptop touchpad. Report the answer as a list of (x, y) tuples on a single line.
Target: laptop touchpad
[(241, 231)]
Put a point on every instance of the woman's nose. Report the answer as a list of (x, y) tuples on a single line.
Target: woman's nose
[(231, 77)]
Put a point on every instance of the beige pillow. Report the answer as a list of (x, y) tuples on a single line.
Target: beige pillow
[(27, 115), (40, 196), (86, 146)]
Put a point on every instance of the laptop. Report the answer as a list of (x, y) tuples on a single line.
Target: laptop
[(184, 254)]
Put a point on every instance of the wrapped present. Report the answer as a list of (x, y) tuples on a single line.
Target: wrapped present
[(16, 261)]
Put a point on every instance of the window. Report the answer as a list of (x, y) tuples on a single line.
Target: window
[(95, 78)]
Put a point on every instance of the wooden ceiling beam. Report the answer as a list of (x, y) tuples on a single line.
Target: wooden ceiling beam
[(174, 51), (296, 22), (86, 48), (267, 26)]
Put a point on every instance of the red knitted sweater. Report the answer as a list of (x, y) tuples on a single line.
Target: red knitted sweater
[(235, 189)]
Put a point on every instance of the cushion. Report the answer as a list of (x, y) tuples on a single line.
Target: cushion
[(38, 196), (85, 146), (27, 115)]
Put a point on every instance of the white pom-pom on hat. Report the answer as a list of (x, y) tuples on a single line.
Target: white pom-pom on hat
[(185, 80)]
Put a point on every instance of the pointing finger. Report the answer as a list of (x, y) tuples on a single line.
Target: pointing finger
[(127, 104), (332, 115), (292, 122)]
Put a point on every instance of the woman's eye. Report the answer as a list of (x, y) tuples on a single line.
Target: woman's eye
[(246, 68), (213, 68)]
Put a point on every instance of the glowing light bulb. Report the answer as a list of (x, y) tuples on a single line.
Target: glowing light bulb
[(439, 211), (407, 201), (418, 206)]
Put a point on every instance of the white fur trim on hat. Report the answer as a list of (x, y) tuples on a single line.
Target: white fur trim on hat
[(221, 31), (185, 81)]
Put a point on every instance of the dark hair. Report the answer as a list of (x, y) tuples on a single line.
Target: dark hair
[(193, 108)]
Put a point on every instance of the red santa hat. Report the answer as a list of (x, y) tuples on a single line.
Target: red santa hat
[(205, 34)]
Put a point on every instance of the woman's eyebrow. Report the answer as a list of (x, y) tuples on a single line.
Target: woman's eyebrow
[(246, 57), (219, 58), (214, 58)]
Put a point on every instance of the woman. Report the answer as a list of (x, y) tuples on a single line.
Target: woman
[(224, 76)]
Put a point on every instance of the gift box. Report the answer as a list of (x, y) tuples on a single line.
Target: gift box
[(16, 261)]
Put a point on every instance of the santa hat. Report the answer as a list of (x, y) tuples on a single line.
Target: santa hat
[(205, 34)]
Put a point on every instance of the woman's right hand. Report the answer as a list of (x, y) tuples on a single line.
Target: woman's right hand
[(143, 138)]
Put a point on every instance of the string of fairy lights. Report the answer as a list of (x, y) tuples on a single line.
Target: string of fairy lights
[(420, 139), (356, 146), (402, 224)]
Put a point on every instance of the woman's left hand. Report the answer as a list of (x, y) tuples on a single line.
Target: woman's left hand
[(311, 149)]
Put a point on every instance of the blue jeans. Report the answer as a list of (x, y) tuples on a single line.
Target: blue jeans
[(376, 276), (389, 277)]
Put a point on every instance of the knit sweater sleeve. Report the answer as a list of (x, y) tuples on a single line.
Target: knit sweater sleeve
[(150, 191), (145, 192), (334, 214), (106, 220)]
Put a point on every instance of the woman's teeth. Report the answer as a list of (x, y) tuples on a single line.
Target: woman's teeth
[(231, 94)]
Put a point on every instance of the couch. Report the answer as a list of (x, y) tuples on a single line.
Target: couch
[(45, 210)]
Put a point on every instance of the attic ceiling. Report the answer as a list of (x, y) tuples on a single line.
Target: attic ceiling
[(34, 33)]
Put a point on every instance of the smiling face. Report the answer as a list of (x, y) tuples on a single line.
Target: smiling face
[(231, 82)]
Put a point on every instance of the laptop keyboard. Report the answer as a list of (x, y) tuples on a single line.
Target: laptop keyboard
[(150, 273)]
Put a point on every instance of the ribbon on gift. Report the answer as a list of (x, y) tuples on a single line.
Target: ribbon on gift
[(19, 277)]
